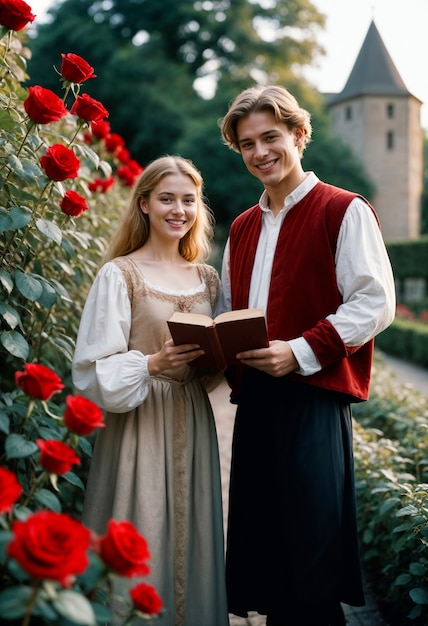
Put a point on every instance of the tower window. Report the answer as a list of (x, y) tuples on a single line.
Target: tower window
[(390, 140), (348, 113), (390, 110)]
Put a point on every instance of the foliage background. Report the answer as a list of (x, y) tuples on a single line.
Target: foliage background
[(152, 59)]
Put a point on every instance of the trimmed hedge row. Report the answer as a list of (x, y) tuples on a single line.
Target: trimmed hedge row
[(391, 462), (406, 339), (409, 258)]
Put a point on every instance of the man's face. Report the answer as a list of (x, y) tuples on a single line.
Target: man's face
[(269, 149)]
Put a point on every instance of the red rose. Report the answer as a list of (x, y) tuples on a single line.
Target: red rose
[(123, 155), (60, 163), (101, 184), (124, 550), (88, 109), (50, 545), (15, 14), (44, 106), (113, 142), (100, 129), (10, 490), (75, 69), (73, 203), (56, 457), (82, 416), (145, 599), (38, 381), (126, 175)]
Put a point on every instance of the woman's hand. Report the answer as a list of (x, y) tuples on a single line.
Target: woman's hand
[(172, 356)]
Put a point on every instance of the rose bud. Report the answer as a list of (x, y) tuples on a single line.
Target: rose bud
[(38, 381)]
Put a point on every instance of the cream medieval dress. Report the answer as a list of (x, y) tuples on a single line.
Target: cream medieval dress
[(156, 461)]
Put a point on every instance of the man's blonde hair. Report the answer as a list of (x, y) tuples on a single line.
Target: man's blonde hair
[(272, 98)]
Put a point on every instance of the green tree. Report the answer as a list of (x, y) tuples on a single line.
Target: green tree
[(156, 62)]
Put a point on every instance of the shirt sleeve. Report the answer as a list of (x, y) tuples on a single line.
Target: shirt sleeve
[(365, 282), (104, 369), (225, 299)]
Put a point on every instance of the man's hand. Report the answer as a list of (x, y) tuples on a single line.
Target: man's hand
[(276, 360)]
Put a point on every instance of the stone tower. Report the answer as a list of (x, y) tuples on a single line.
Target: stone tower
[(379, 119)]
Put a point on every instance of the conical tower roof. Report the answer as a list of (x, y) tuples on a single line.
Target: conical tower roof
[(374, 72)]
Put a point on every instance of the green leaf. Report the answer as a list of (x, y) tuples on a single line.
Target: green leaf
[(10, 315), (48, 499), (75, 608), (6, 280), (15, 344), (20, 216), (18, 448), (417, 569), (5, 222), (30, 171), (389, 504), (4, 423), (24, 168), (419, 595), (74, 480), (50, 230), (13, 601), (49, 295), (88, 153), (85, 445), (407, 510), (28, 285), (5, 537), (402, 579), (6, 122)]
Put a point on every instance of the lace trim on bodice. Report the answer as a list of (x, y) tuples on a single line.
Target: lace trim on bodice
[(184, 301)]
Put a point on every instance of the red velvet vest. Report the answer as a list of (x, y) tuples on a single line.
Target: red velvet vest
[(303, 288)]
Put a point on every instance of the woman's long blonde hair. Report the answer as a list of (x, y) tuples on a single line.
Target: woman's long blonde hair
[(134, 226)]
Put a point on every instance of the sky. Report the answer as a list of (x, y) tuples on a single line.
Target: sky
[(402, 26)]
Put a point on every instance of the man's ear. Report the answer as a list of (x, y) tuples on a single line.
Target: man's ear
[(299, 136)]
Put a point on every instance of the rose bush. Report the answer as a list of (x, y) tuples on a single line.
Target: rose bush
[(53, 228)]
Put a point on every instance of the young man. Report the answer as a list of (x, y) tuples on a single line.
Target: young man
[(312, 256)]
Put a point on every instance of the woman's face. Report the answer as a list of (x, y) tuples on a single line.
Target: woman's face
[(171, 207)]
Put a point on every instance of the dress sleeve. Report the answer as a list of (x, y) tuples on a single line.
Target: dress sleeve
[(104, 369)]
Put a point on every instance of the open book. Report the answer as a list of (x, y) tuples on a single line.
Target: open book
[(221, 338)]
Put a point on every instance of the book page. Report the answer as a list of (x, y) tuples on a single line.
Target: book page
[(239, 314)]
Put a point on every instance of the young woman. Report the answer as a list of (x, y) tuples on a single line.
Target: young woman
[(156, 462)]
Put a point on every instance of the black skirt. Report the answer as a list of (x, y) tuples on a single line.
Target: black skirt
[(292, 534)]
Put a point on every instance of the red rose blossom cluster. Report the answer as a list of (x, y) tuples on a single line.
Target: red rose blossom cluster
[(101, 185), (128, 170)]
